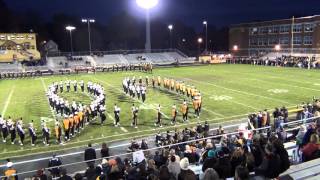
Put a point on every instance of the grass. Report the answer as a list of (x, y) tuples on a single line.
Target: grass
[(227, 90)]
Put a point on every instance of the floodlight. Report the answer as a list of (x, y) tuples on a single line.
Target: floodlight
[(204, 22), (200, 40), (170, 27), (277, 47), (70, 28), (147, 4), (235, 47)]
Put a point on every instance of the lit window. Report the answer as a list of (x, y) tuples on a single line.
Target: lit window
[(284, 28), (308, 27), (284, 40)]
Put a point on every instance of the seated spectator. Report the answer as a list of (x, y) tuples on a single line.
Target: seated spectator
[(90, 173), (237, 158), (144, 145), (10, 172), (241, 173), (152, 169), (185, 172), (78, 176), (174, 166), (311, 147), (192, 156), (54, 162)]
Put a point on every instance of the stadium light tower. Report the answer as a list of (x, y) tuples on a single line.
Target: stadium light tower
[(147, 5), (200, 40), (88, 21), (235, 48), (170, 27), (206, 24), (70, 29)]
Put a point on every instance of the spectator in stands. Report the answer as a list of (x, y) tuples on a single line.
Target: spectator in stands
[(64, 175), (309, 149), (90, 173), (54, 162), (270, 165), (164, 174), (78, 176), (41, 175), (223, 166), (210, 161), (174, 166), (190, 154), (10, 172), (281, 152), (90, 154), (237, 158), (185, 172), (210, 174), (104, 151), (241, 173), (152, 169)]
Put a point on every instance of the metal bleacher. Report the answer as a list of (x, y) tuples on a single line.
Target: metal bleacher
[(110, 59), (8, 67)]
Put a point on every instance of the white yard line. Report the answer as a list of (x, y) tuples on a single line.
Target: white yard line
[(124, 129), (7, 102), (45, 90), (238, 91)]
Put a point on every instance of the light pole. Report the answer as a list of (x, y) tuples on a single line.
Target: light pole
[(70, 29), (206, 24), (235, 49), (170, 27), (200, 40), (88, 21), (147, 5)]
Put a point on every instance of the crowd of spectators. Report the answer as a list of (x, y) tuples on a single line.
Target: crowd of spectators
[(284, 61), (218, 154)]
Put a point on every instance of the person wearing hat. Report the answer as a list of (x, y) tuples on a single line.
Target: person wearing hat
[(174, 113), (185, 172), (76, 119), (45, 134), (71, 125), (10, 172), (58, 131), (20, 131), (210, 161), (184, 110), (116, 115), (4, 129), (159, 114), (12, 130), (32, 133), (66, 127)]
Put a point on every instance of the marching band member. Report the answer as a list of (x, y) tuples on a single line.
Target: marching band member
[(61, 86), (45, 134), (32, 133), (116, 115), (158, 117), (58, 131), (174, 114), (184, 110), (66, 127), (4, 130), (68, 85), (143, 93), (82, 86), (12, 130), (21, 132), (134, 111)]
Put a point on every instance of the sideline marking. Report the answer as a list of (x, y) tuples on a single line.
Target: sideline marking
[(7, 101), (45, 91)]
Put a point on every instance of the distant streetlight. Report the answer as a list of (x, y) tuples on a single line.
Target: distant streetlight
[(170, 27), (147, 5), (88, 21), (200, 40), (70, 29), (277, 47), (235, 48), (206, 24)]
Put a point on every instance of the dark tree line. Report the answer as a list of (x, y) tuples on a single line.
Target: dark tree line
[(122, 31)]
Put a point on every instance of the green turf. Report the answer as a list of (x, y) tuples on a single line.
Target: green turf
[(227, 90)]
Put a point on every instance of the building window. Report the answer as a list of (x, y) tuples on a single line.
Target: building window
[(253, 31), (273, 29), (253, 42), (273, 41), (308, 27), (284, 40), (284, 29), (260, 41), (297, 28), (263, 30), (297, 40), (307, 40)]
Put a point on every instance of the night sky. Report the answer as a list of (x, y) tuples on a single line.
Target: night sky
[(192, 12)]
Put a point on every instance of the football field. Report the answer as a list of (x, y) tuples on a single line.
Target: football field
[(229, 92)]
